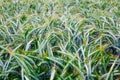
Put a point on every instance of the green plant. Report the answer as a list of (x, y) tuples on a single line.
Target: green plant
[(58, 39)]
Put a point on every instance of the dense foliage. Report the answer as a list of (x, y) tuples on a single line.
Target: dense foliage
[(58, 39)]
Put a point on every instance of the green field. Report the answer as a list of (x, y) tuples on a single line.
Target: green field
[(59, 39)]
